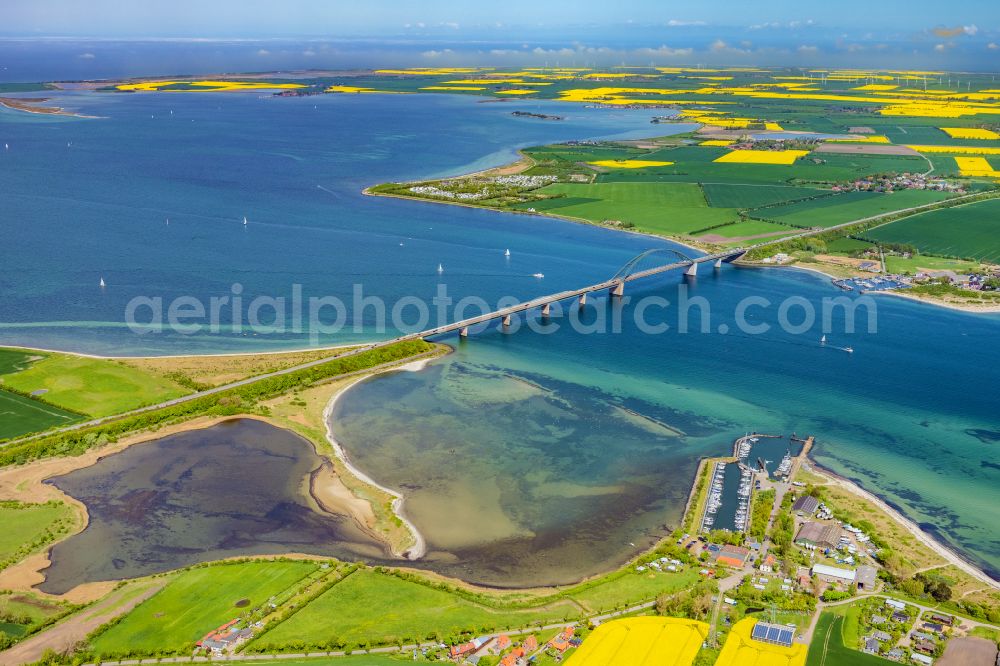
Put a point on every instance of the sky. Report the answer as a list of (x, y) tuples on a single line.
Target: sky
[(959, 34)]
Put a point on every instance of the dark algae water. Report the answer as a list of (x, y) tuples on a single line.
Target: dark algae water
[(237, 488)]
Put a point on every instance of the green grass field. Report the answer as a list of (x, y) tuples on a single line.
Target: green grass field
[(196, 602), (632, 587), (20, 415), (15, 360), (27, 612), (971, 231), (923, 261), (368, 606), (25, 527), (97, 387), (847, 207), (731, 195), (664, 208), (827, 647), (749, 228)]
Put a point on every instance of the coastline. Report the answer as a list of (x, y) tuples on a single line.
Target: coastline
[(302, 350), (419, 547), (25, 106), (565, 218), (945, 551), (986, 309)]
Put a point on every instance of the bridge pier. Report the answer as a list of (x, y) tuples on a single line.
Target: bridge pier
[(617, 290), (506, 321), (718, 262), (546, 309), (692, 270), (464, 331), (583, 299)]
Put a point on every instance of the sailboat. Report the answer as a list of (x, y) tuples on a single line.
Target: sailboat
[(440, 268), (102, 283), (506, 252), (6, 146), (244, 220), (822, 340)]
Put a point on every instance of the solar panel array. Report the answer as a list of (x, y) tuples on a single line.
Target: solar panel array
[(770, 633)]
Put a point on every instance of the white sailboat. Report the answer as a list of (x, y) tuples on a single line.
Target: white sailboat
[(440, 268), (822, 340), (102, 283), (244, 220), (506, 252), (538, 275)]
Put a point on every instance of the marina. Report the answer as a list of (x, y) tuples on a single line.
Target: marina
[(874, 283), (732, 483)]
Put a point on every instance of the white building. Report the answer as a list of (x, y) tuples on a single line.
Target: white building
[(828, 572)]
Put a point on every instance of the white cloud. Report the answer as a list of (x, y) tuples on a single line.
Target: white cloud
[(309, 53), (970, 30), (663, 51), (774, 25), (806, 49), (263, 52), (451, 24), (86, 56), (992, 46), (719, 46), (676, 23), (437, 54), (420, 24), (940, 48)]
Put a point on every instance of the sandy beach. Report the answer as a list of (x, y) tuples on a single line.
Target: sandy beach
[(419, 547), (926, 539)]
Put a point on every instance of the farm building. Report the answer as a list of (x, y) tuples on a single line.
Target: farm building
[(733, 556), (829, 573), (866, 577), (807, 504), (818, 535)]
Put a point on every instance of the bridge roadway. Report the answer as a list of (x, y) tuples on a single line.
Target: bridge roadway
[(615, 284)]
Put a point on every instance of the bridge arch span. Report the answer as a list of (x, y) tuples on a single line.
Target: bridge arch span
[(630, 266)]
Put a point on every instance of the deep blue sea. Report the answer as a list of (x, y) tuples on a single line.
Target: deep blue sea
[(526, 456)]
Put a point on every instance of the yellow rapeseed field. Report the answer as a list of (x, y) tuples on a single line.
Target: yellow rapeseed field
[(785, 157), (741, 649), (205, 86), (629, 164), (718, 142), (970, 133), (976, 166), (642, 641), (453, 88), (357, 89), (957, 150), (516, 92)]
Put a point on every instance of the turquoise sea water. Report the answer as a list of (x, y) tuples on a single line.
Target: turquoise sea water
[(524, 458)]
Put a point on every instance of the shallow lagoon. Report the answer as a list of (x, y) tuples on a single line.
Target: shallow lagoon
[(237, 488)]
